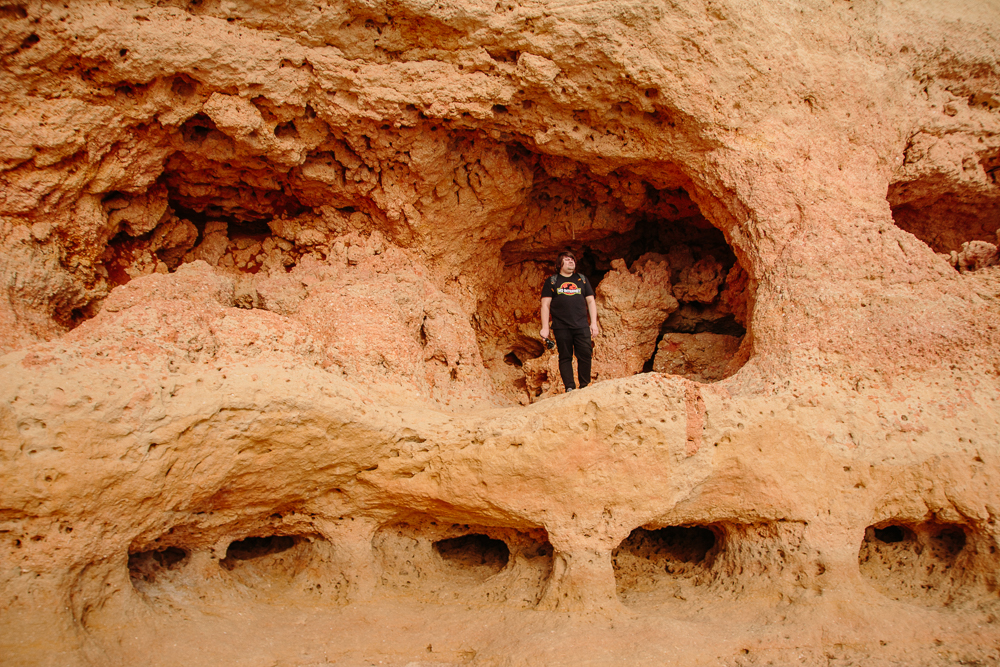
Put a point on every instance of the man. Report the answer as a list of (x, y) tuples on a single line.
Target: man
[(568, 298)]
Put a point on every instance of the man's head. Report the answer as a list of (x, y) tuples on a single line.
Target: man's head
[(566, 262)]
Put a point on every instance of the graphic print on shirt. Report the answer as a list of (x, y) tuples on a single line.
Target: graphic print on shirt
[(569, 289)]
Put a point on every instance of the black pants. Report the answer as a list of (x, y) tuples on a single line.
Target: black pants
[(569, 341)]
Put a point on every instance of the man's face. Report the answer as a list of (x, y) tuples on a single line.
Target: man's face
[(568, 264)]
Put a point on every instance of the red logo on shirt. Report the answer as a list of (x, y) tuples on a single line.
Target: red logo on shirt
[(569, 289)]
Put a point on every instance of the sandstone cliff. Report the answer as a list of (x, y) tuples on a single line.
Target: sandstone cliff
[(273, 391)]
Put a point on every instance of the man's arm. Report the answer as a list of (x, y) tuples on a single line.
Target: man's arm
[(546, 302), (592, 309)]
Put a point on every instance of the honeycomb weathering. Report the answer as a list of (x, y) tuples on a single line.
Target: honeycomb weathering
[(273, 390)]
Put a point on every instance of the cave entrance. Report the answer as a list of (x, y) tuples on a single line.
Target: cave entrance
[(476, 554), (250, 548), (222, 204), (957, 216), (672, 295), (451, 561), (928, 563), (671, 291), (652, 561)]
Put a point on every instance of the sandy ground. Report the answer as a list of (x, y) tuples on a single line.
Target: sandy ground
[(827, 630)]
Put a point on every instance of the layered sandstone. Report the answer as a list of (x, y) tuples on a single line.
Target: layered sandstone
[(273, 391)]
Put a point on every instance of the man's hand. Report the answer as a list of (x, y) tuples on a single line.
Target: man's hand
[(594, 329), (546, 303)]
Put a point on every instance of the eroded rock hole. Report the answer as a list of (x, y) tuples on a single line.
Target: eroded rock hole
[(256, 547), (733, 560), (183, 86), (145, 567), (277, 567), (29, 41), (931, 563), (286, 131), (282, 566), (673, 549), (951, 541), (224, 203), (463, 562), (958, 217), (474, 552), (653, 560), (198, 127), (71, 317), (158, 234), (13, 12)]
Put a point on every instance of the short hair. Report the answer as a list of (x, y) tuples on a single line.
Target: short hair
[(561, 256)]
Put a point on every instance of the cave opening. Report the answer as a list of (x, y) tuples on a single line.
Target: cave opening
[(453, 561), (946, 223), (930, 562), (672, 294), (650, 560), (474, 552), (218, 203), (951, 540), (676, 546), (251, 548), (212, 202), (958, 218), (512, 359)]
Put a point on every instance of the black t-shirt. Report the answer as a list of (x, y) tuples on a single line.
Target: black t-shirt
[(569, 300)]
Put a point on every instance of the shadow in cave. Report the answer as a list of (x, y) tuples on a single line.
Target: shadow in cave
[(474, 553), (250, 548), (958, 219)]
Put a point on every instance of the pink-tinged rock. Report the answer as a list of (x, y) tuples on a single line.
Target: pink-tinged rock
[(702, 357), (632, 308)]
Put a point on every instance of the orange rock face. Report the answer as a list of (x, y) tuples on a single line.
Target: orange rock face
[(273, 390)]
